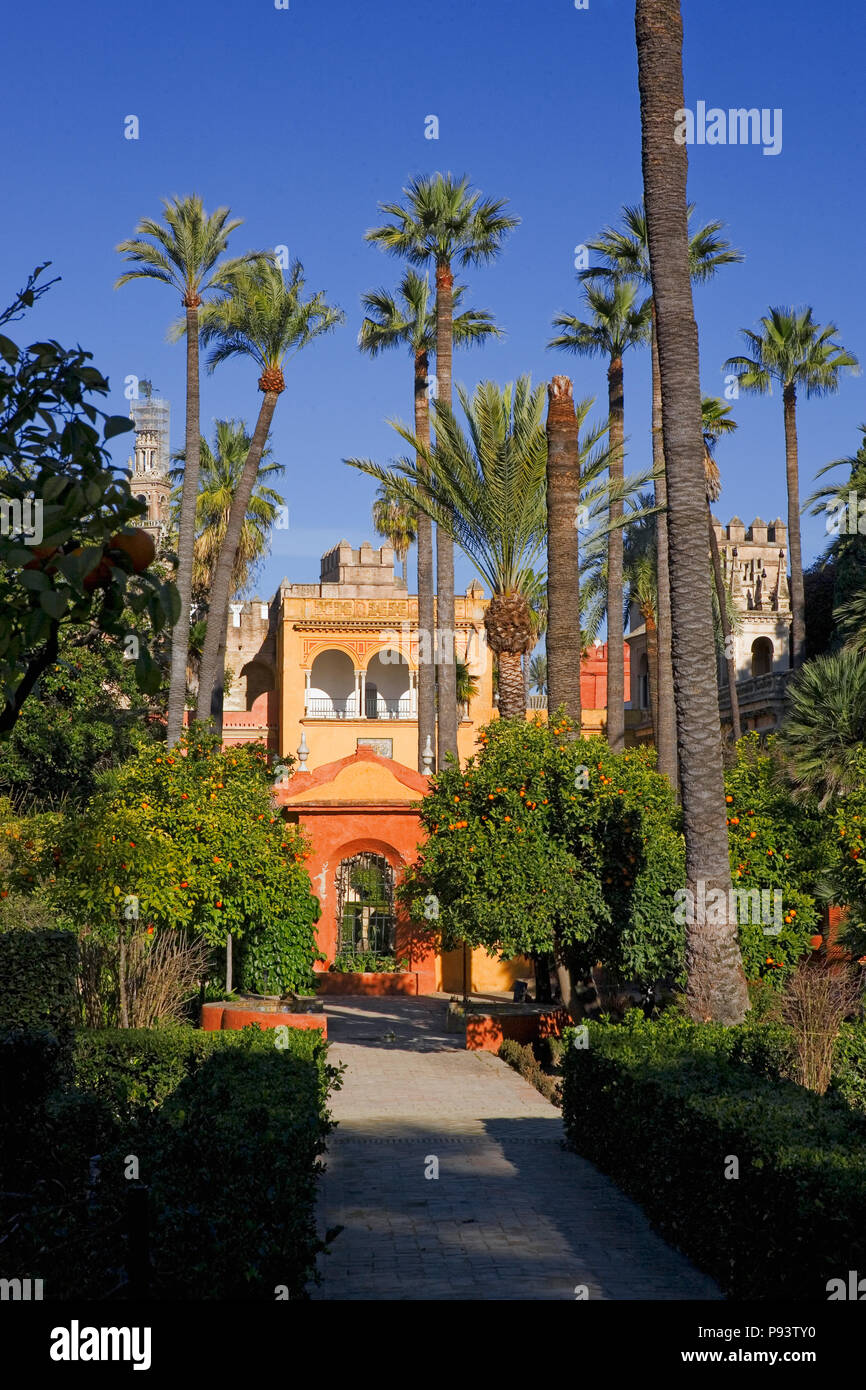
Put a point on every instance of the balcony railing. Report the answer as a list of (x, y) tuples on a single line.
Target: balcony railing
[(375, 707)]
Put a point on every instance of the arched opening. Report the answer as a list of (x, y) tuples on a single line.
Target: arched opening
[(259, 679), (389, 693), (762, 656), (332, 691), (643, 682), (366, 921)]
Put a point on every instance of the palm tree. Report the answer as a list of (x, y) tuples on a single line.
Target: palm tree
[(221, 467), (617, 324), (395, 521), (485, 489), (625, 254), (410, 321), (538, 674), (443, 222), (716, 982), (824, 734), (794, 351), (717, 420), (185, 254), (263, 317), (563, 549), (535, 593)]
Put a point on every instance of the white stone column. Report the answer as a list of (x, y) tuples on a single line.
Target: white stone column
[(413, 696), (362, 702)]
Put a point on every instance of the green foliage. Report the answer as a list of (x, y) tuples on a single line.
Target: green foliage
[(70, 504), (659, 1106), (38, 981), (545, 842), (849, 1065), (277, 957), (86, 715), (846, 878), (187, 838), (359, 962), (776, 843), (522, 1058), (227, 1128)]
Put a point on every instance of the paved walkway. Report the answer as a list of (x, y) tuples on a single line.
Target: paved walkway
[(511, 1215)]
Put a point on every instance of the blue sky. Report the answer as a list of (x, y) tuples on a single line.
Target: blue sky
[(302, 120)]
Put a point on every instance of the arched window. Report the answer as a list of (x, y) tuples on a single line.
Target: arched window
[(643, 682), (365, 906), (332, 692), (762, 656)]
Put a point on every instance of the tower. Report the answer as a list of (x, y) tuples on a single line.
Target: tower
[(149, 478)]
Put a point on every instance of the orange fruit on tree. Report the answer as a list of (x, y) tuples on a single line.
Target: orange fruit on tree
[(138, 545)]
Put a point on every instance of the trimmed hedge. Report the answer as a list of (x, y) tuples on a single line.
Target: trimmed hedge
[(663, 1107), (137, 1069), (38, 987), (226, 1128)]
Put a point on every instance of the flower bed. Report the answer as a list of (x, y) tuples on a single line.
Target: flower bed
[(367, 982)]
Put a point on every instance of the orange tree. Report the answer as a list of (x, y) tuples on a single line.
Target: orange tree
[(846, 876), (187, 838), (778, 845), (549, 843)]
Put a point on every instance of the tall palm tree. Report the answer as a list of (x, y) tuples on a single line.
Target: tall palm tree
[(717, 420), (797, 353), (409, 320), (563, 550), (186, 254), (716, 982), (395, 521), (617, 323), (625, 253), (443, 222), (221, 467), (485, 489), (266, 318)]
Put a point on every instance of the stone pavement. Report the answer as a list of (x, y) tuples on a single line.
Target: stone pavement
[(511, 1215)]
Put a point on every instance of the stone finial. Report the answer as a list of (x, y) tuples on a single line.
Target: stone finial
[(758, 531), (427, 758), (736, 530), (303, 753)]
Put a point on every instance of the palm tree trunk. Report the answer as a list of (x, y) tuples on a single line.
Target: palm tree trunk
[(511, 696), (792, 471), (666, 721), (716, 982), (216, 699), (652, 657), (445, 655), (562, 638), (724, 619), (524, 666), (185, 534), (121, 978), (222, 582), (615, 637), (426, 597)]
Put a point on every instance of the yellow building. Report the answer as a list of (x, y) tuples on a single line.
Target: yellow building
[(333, 666)]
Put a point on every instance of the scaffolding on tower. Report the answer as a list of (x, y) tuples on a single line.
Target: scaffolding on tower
[(150, 415)]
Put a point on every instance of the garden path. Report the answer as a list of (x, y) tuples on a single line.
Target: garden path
[(512, 1214)]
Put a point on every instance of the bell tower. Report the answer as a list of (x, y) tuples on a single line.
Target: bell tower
[(149, 478)]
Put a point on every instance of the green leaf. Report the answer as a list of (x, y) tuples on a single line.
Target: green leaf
[(54, 603), (116, 424)]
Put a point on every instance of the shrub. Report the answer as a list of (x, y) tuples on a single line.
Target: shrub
[(37, 981), (664, 1107), (227, 1129), (581, 844), (360, 962), (777, 845), (522, 1058), (277, 958), (849, 1065), (816, 1003)]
